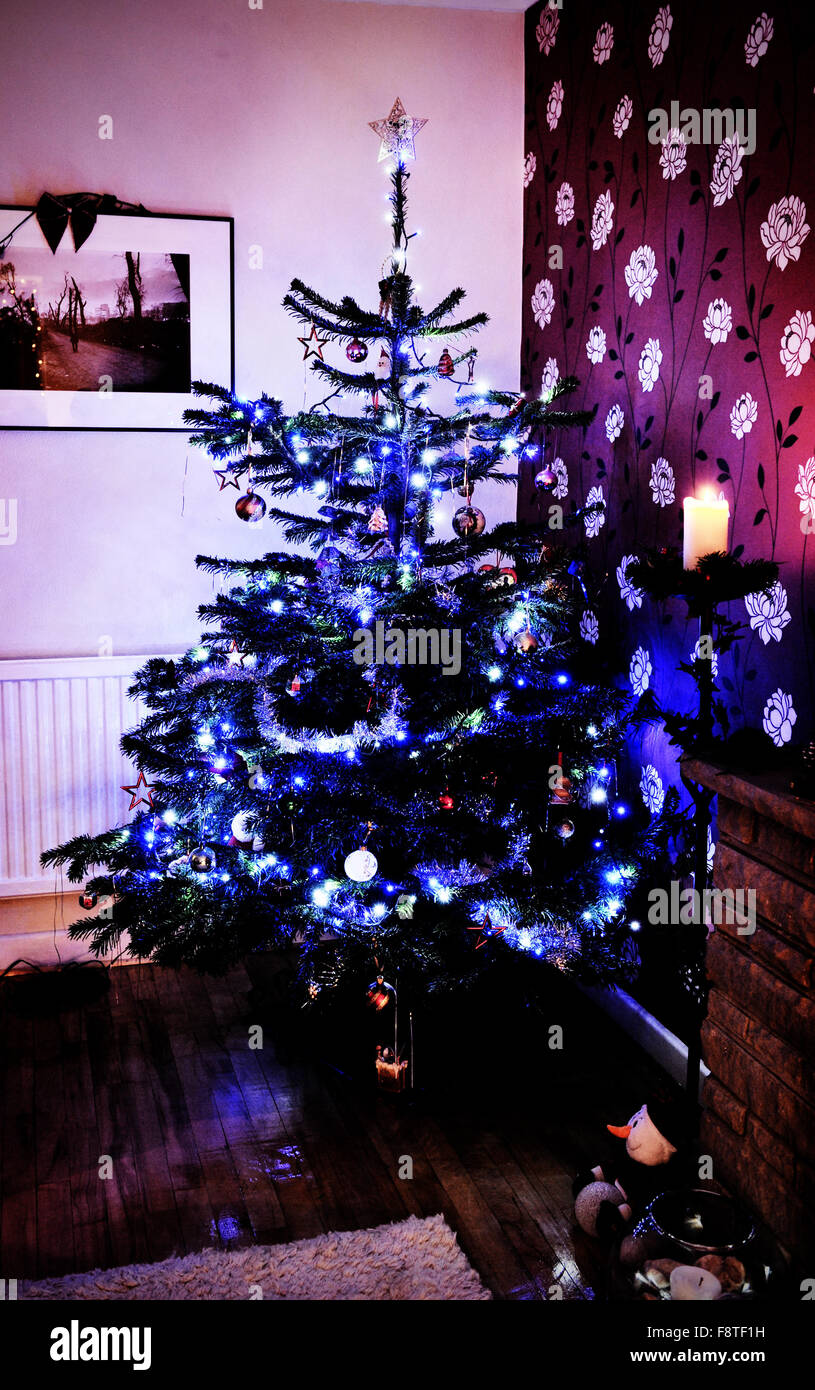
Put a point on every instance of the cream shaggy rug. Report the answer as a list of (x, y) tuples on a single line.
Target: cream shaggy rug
[(413, 1259)]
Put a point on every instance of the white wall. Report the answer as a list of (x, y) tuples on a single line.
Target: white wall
[(261, 114)]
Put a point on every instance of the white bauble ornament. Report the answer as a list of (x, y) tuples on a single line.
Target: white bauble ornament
[(361, 865), (241, 829), (242, 832)]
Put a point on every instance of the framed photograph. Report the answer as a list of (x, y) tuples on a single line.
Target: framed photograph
[(111, 336)]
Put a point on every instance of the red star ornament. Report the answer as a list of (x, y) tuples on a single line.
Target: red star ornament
[(137, 800), (227, 478), (487, 931), (313, 337)]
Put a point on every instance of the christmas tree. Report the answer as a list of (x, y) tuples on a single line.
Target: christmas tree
[(387, 748)]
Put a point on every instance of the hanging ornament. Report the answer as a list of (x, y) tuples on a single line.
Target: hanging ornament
[(527, 641), (562, 790), (446, 365), (383, 367), (178, 866), (446, 800), (469, 521), (241, 833), (146, 796), (386, 297), (466, 490), (391, 1070), (378, 521), (404, 907), (361, 865), (565, 829), (294, 688), (356, 351), (380, 994), (397, 133), (243, 837), (228, 477), (250, 507), (502, 578), (236, 657), (87, 900), (202, 860), (546, 480), (328, 560), (486, 931), (319, 344)]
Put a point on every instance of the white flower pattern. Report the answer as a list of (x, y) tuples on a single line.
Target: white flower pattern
[(640, 671), (785, 231), (805, 489), (559, 468), (602, 220), (779, 717), (564, 204), (594, 520), (743, 415), (603, 43), (698, 654), (641, 273), (596, 345), (629, 593), (543, 302), (718, 321), (652, 790), (674, 154), (546, 32), (621, 119), (768, 612), (614, 423), (649, 364), (758, 39), (660, 35), (554, 105), (727, 169), (796, 343), (782, 239), (662, 482), (550, 377)]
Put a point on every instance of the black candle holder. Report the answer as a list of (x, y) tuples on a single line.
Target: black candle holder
[(718, 578)]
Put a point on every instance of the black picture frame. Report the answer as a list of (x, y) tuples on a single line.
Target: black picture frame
[(211, 331)]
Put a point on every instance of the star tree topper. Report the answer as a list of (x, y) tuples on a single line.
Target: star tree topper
[(397, 132)]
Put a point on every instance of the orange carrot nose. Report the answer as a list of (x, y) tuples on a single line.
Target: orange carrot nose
[(619, 1131)]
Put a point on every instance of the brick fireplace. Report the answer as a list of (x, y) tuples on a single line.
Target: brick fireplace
[(759, 1035)]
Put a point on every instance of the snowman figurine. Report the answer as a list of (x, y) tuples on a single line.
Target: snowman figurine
[(604, 1194)]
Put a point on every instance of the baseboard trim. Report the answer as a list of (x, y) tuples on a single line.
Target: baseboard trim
[(667, 1050)]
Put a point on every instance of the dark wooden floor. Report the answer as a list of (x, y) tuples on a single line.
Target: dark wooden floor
[(216, 1144)]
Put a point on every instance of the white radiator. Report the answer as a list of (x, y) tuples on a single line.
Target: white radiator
[(62, 771)]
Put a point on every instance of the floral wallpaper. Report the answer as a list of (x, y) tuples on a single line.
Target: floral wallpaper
[(669, 264)]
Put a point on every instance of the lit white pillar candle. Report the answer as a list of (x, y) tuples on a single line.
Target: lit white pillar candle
[(706, 519), (689, 1283)]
